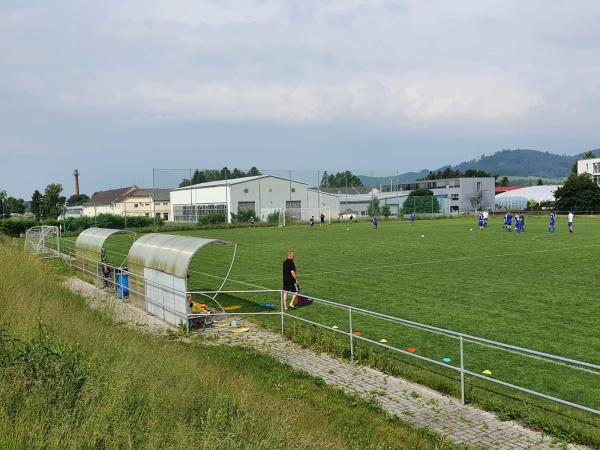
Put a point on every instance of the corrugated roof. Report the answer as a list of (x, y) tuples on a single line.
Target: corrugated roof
[(538, 193), (232, 182), (159, 195), (111, 196)]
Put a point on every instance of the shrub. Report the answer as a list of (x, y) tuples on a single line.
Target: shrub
[(243, 216), (273, 218), (14, 228), (212, 219)]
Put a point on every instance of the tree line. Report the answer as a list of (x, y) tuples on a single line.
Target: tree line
[(340, 179), (48, 205), (206, 175)]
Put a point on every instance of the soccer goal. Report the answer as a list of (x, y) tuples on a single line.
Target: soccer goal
[(292, 216), (43, 241)]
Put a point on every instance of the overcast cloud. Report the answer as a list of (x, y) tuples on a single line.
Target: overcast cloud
[(116, 88)]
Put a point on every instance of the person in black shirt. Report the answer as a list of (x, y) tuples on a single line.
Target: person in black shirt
[(322, 219), (290, 280)]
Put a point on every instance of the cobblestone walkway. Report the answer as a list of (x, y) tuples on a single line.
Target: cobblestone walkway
[(411, 402)]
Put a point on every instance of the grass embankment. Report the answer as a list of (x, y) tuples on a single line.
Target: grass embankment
[(71, 378)]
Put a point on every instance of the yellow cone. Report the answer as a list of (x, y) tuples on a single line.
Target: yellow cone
[(335, 327), (487, 372), (383, 340)]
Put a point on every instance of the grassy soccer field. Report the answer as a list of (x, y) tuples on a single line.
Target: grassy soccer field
[(535, 290)]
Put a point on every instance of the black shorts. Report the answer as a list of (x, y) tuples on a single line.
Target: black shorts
[(291, 287)]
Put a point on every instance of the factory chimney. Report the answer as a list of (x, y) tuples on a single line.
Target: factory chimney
[(76, 175)]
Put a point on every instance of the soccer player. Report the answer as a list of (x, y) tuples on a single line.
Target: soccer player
[(522, 223), (413, 218), (312, 221), (485, 218), (290, 280), (322, 219), (481, 222), (570, 221), (509, 218), (517, 223), (375, 222), (552, 224)]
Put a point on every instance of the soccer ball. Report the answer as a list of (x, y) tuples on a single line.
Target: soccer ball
[(471, 229), (347, 229), (422, 235)]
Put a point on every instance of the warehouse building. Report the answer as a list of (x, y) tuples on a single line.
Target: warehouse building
[(454, 196), (263, 194)]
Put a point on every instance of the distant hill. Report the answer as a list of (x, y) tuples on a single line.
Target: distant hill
[(522, 163), (519, 164)]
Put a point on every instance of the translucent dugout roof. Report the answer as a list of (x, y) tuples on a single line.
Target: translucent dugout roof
[(168, 253), (90, 242)]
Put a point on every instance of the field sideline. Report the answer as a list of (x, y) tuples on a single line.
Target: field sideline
[(535, 290)]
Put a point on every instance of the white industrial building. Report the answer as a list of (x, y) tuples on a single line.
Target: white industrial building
[(263, 194), (591, 166), (454, 195)]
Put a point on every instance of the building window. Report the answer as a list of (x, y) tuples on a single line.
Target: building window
[(479, 185), (246, 206), (596, 167), (293, 204), (270, 190), (246, 191), (166, 216), (597, 179), (157, 215), (135, 205), (293, 189), (190, 213), (147, 214), (453, 209), (453, 196)]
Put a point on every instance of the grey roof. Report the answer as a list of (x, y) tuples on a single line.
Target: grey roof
[(159, 195), (111, 196), (232, 182)]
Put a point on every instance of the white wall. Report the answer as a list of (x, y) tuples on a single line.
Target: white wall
[(587, 166)]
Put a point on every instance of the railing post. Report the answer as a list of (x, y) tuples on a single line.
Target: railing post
[(462, 372), (281, 306), (351, 334)]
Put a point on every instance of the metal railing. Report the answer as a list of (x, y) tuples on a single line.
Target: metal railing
[(93, 269)]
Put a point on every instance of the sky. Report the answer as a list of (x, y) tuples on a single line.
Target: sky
[(119, 88)]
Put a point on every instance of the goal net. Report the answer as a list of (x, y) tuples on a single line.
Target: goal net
[(294, 216), (43, 241)]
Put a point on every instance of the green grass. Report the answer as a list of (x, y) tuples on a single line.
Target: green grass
[(70, 378), (533, 290)]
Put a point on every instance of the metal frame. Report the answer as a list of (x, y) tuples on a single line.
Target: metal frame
[(39, 247)]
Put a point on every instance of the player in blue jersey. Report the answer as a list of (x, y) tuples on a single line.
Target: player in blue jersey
[(522, 223), (375, 222), (509, 218), (413, 218), (552, 223), (481, 221)]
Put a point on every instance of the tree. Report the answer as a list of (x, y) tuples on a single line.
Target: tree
[(540, 182), (13, 205), (374, 209), (325, 180), (2, 203), (36, 204), (341, 179), (53, 202), (77, 199), (421, 201), (386, 211), (504, 182), (579, 193)]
